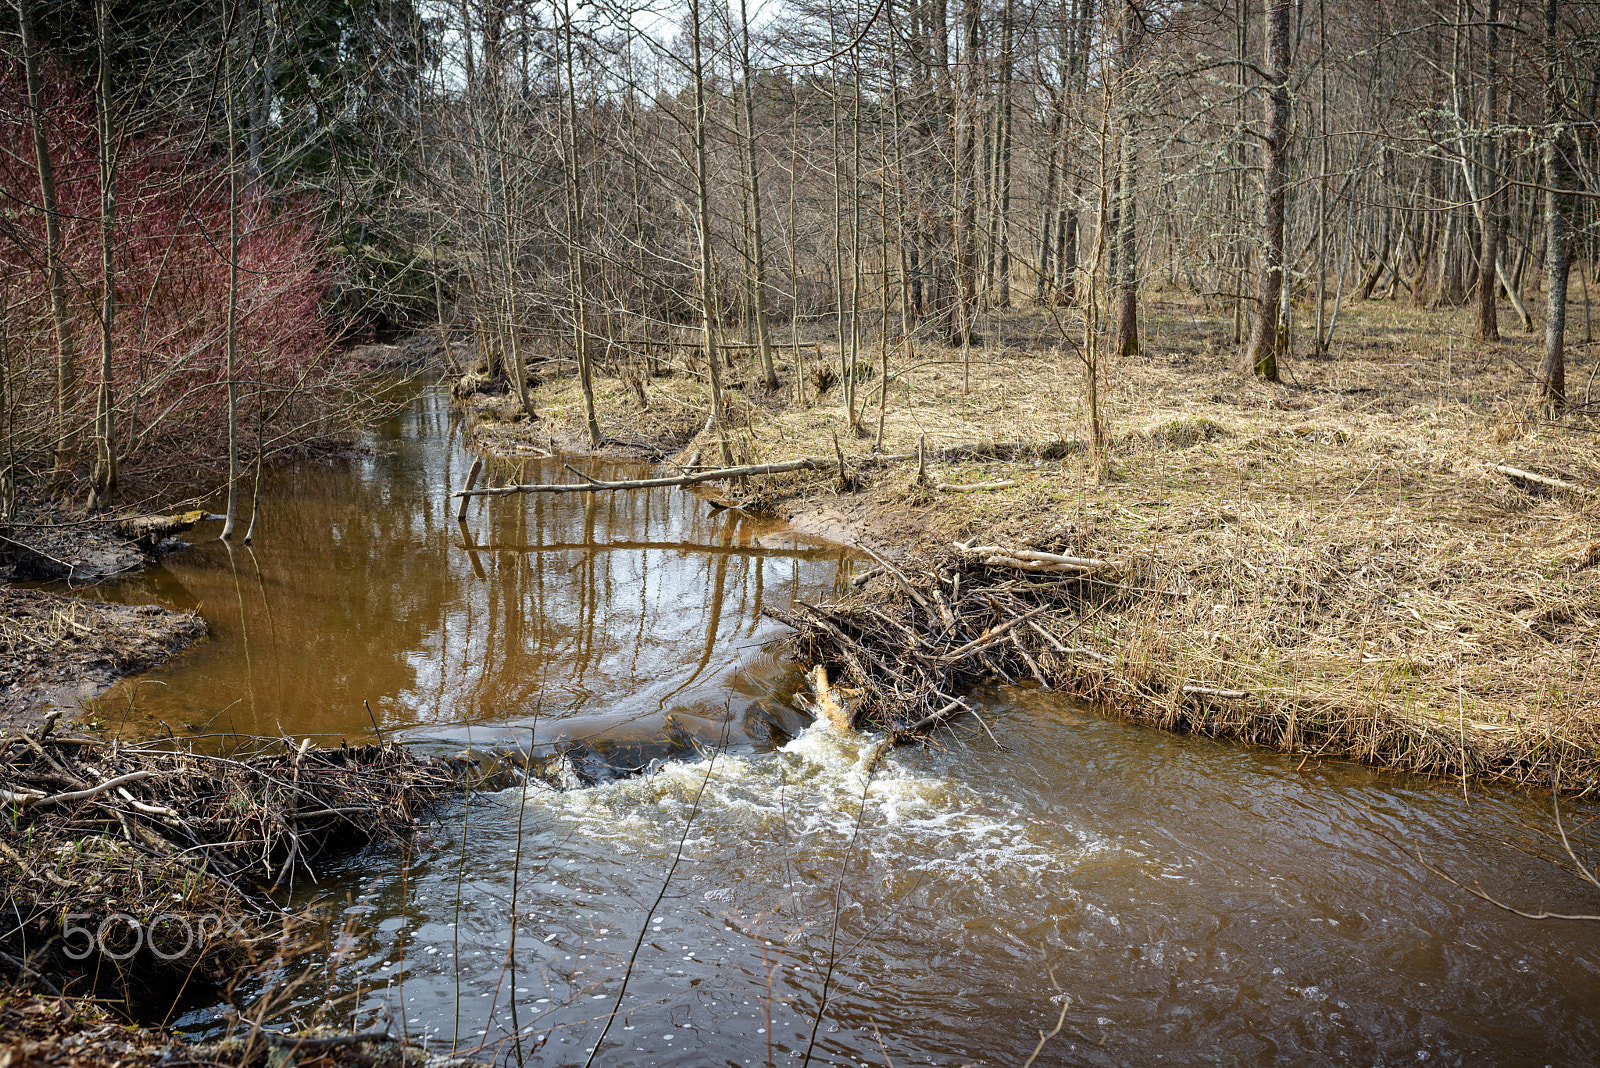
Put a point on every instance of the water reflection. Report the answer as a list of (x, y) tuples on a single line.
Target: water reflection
[(579, 613)]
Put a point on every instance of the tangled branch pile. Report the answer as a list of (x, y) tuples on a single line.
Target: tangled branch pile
[(168, 858), (903, 654)]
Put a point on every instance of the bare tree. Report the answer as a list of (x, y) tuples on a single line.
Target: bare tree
[(1269, 336), (104, 479), (66, 356), (1558, 146)]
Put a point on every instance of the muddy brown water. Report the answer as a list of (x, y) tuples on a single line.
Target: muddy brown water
[(1185, 901)]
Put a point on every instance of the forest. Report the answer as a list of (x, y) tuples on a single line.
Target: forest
[(205, 204)]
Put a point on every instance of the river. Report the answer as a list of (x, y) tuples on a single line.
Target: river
[(1184, 901)]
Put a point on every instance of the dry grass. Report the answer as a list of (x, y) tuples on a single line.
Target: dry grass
[(1340, 546)]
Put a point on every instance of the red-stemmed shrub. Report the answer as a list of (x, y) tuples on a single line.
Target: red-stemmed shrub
[(171, 270)]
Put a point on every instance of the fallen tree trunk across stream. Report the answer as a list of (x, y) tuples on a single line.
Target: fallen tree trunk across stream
[(594, 485)]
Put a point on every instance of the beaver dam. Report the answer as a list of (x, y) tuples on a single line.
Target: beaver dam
[(704, 872), (140, 868)]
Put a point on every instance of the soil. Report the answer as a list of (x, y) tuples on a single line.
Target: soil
[(1344, 548), (49, 547), (57, 650)]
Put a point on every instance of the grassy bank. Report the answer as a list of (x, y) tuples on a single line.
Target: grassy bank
[(1343, 549)]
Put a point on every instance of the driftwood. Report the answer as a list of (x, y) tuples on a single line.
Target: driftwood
[(1544, 480), (974, 487), (149, 529)]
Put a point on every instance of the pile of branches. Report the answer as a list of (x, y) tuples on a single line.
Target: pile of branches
[(170, 858), (901, 653)]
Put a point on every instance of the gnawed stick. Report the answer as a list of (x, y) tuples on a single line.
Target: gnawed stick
[(932, 717), (1034, 565), (944, 614), (1211, 691), (865, 577), (993, 635), (1033, 665), (27, 800), (1023, 558), (1070, 650)]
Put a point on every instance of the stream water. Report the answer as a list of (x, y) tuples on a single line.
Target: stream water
[(1185, 902)]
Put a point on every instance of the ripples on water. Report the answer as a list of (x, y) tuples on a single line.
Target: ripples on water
[(1197, 903)]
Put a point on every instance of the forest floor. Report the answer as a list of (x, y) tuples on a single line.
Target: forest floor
[(1339, 555)]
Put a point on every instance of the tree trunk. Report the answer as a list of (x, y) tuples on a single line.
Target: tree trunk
[(1490, 189), (1127, 249), (104, 479), (1067, 217), (580, 286), (66, 349), (1558, 211), (1003, 216), (703, 227), (758, 255), (231, 341), (1047, 217), (966, 185), (1268, 337)]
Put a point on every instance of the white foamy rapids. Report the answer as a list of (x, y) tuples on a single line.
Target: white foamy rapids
[(824, 794)]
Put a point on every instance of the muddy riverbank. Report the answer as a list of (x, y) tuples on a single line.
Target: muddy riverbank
[(60, 648)]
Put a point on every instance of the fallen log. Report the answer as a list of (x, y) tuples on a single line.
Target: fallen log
[(146, 530), (691, 478), (597, 486)]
